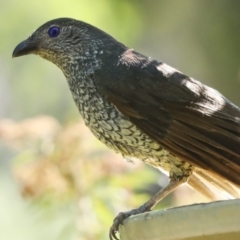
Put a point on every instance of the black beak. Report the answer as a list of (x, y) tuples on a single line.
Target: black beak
[(23, 48)]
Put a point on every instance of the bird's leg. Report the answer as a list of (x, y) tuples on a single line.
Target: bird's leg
[(147, 206)]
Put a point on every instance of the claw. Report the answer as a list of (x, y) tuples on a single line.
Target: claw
[(116, 222), (112, 234), (114, 229), (119, 220)]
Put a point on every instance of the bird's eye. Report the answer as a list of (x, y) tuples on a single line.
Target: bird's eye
[(53, 31)]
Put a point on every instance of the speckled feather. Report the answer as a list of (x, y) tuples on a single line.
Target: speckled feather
[(141, 107)]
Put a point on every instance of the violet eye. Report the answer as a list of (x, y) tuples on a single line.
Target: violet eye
[(53, 31)]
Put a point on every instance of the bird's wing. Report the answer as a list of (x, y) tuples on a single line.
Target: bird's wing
[(191, 120)]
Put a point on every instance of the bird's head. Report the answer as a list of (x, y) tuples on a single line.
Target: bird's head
[(65, 40)]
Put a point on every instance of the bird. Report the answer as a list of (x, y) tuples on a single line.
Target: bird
[(143, 108)]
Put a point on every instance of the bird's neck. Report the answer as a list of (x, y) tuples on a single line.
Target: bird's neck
[(80, 75), (80, 78)]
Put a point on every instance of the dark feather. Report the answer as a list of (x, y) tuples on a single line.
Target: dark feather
[(191, 120)]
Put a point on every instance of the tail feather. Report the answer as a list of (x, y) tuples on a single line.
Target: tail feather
[(212, 186)]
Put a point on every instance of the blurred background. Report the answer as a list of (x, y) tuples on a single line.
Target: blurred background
[(56, 180)]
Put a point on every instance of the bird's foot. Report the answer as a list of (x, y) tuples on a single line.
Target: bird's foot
[(146, 207), (121, 217)]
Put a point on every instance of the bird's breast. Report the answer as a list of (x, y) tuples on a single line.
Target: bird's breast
[(114, 130)]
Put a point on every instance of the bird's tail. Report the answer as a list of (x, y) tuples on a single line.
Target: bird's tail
[(213, 186)]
